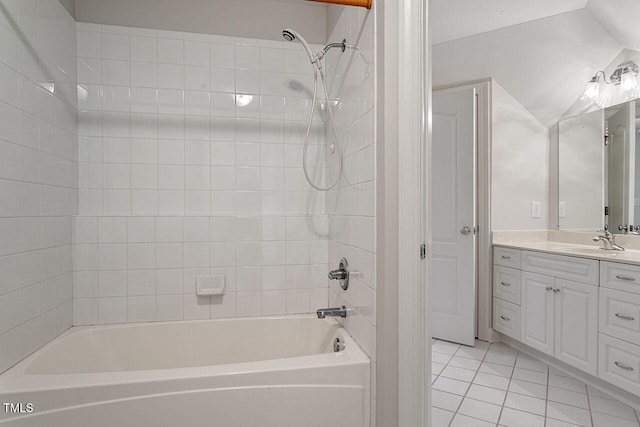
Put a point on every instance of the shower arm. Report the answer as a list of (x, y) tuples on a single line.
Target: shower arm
[(342, 45)]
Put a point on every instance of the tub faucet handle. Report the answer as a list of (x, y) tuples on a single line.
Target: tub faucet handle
[(338, 274), (341, 274)]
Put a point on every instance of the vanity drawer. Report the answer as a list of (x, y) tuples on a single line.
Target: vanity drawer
[(506, 284), (619, 363), (506, 318), (620, 315), (506, 257), (623, 277), (563, 267)]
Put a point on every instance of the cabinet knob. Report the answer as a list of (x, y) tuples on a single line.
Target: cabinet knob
[(627, 278), (549, 288), (505, 257), (505, 284), (556, 290), (624, 317), (505, 318)]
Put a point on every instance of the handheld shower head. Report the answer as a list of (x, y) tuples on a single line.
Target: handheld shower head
[(291, 35), (288, 35)]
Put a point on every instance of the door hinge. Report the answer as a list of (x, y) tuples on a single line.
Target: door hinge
[(423, 251)]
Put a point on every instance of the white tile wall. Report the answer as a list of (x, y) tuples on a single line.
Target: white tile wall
[(190, 156), (38, 174), (351, 205)]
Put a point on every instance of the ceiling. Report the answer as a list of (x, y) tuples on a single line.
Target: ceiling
[(451, 20), (541, 52), (621, 18)]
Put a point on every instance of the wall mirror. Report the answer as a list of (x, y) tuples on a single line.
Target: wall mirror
[(599, 170)]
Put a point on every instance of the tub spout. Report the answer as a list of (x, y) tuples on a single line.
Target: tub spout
[(332, 312)]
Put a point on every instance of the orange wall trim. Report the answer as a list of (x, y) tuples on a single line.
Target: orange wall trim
[(360, 3)]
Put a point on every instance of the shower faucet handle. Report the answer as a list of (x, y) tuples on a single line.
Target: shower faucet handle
[(338, 274), (341, 273)]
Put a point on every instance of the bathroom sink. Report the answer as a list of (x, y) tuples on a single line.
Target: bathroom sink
[(583, 250)]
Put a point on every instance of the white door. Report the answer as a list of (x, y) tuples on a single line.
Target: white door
[(537, 311), (576, 329), (453, 176)]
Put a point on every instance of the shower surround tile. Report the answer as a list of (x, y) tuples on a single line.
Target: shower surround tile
[(183, 173), (351, 203), (38, 175)]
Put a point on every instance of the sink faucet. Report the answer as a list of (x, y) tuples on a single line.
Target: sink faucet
[(609, 241), (332, 312)]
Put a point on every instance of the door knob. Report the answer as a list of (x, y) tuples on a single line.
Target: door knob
[(465, 230)]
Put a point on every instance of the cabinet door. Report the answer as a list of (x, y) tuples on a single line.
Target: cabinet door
[(576, 331), (537, 311)]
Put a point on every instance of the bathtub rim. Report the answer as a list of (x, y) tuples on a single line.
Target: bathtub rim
[(17, 380)]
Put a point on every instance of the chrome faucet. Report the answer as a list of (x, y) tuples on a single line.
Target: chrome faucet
[(338, 274), (609, 241), (332, 312), (341, 274)]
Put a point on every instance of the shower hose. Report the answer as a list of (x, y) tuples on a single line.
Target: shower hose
[(317, 69)]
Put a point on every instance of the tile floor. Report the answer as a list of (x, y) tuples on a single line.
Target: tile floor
[(489, 385)]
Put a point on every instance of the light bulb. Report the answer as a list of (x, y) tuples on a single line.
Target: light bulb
[(592, 92), (628, 81), (606, 97)]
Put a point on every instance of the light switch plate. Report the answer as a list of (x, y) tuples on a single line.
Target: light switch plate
[(536, 209)]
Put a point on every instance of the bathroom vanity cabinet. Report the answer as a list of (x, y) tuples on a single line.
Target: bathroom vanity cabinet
[(619, 325), (584, 312), (558, 304)]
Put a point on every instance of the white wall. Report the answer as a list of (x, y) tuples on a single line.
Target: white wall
[(70, 5), (38, 174), (520, 165), (620, 17), (351, 205), (544, 64), (239, 18), (176, 180), (453, 20), (581, 171)]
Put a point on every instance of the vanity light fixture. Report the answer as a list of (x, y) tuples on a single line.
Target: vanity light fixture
[(623, 80), (625, 76), (592, 92)]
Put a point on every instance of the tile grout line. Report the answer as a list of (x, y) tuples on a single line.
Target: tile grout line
[(546, 401), (470, 384), (547, 389), (589, 406), (506, 393)]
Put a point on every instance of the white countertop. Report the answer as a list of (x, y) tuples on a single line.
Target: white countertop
[(629, 256)]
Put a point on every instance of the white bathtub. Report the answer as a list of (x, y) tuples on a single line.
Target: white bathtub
[(255, 372)]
